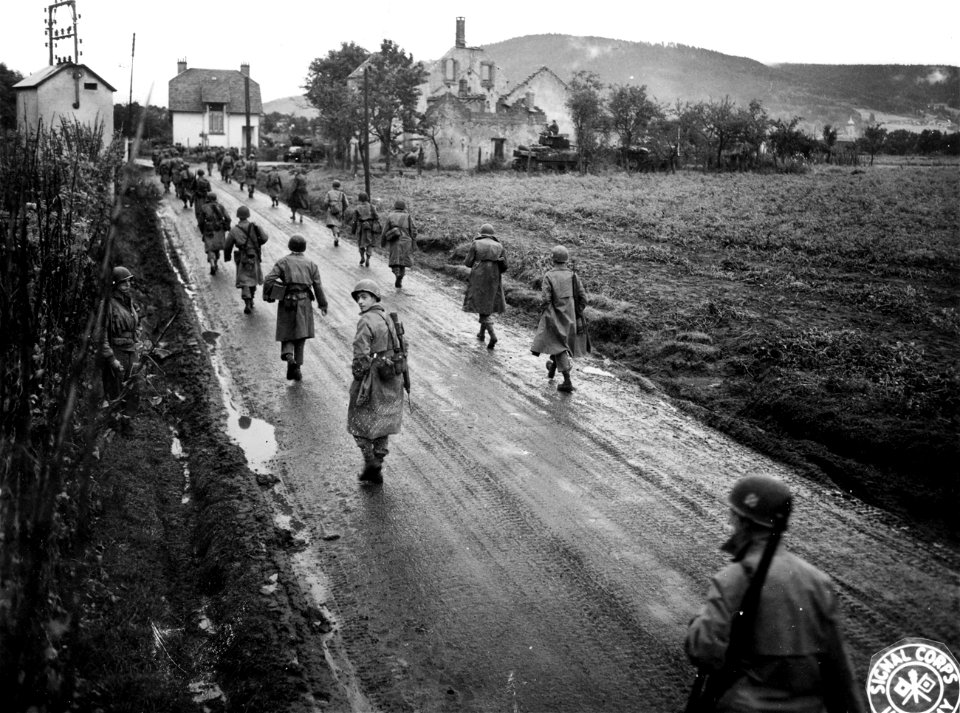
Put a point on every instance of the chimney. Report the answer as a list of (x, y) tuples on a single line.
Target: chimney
[(245, 69), (181, 65), (461, 32)]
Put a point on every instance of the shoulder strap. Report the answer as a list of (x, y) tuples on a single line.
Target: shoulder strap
[(393, 343)]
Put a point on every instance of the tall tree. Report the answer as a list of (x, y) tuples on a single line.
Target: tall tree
[(588, 114), (830, 140), (394, 89), (326, 88), (8, 97), (873, 138), (631, 113)]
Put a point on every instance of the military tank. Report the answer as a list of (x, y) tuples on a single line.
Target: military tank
[(552, 152)]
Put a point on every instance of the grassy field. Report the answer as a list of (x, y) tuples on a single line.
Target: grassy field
[(815, 316)]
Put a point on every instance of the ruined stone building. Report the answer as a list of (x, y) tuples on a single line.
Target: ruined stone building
[(481, 115)]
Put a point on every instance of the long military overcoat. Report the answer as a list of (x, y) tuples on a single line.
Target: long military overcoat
[(363, 218), (249, 270), (335, 197), (376, 404), (485, 286), (399, 248), (557, 331), (300, 276)]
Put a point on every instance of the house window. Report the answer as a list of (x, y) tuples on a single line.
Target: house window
[(486, 74), (216, 118), (90, 85), (450, 69)]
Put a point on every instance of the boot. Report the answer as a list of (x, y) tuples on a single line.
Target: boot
[(247, 305), (372, 466), (567, 386), (297, 375), (361, 258), (481, 333), (493, 337), (399, 281), (366, 262), (291, 366), (551, 368)]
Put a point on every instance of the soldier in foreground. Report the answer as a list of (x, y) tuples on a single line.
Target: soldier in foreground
[(379, 368), (364, 227), (214, 222), (335, 203), (120, 351), (487, 262), (399, 237), (248, 239), (298, 278), (768, 637), (562, 330)]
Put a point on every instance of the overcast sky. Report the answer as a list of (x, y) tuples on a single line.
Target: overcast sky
[(279, 39)]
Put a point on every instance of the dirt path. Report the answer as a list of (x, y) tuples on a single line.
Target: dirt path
[(528, 550)]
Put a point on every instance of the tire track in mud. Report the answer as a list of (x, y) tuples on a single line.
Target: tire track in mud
[(585, 527)]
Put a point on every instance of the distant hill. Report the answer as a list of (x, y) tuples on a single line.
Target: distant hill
[(819, 93), (295, 105)]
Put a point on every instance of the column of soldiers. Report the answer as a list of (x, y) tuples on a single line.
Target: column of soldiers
[(768, 636)]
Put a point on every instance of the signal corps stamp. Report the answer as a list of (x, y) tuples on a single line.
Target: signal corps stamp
[(914, 676)]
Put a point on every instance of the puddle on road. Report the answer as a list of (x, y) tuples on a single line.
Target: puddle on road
[(597, 372), (256, 437)]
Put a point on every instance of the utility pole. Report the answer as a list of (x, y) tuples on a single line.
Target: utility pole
[(366, 134), (70, 32), (246, 102), (133, 50)]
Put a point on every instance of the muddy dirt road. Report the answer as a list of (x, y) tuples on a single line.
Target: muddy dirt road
[(528, 550)]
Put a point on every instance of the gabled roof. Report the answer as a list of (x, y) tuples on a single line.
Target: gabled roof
[(193, 89), (38, 78), (543, 70)]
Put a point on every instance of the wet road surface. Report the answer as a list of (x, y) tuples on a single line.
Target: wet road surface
[(528, 550)]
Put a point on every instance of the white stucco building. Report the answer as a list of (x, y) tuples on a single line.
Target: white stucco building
[(65, 92), (208, 107)]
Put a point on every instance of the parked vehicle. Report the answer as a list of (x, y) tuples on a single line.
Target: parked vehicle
[(552, 153), (295, 154)]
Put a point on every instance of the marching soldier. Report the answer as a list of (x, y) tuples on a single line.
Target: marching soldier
[(299, 278), (487, 262), (364, 223), (299, 199), (201, 187), (562, 330), (120, 351), (375, 410), (248, 238), (768, 637), (165, 169), (239, 172), (400, 234), (186, 185), (210, 157), (335, 203), (250, 170), (214, 222), (226, 167), (274, 185)]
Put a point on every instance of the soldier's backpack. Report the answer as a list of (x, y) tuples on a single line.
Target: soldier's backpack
[(251, 246)]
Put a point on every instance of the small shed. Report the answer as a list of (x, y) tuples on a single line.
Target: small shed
[(65, 92)]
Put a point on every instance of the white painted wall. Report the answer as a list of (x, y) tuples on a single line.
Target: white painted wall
[(188, 127), (54, 99)]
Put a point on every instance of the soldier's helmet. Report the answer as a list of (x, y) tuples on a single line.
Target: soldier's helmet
[(560, 254), (362, 197), (763, 500), (368, 286), (243, 212), (399, 205), (200, 171), (121, 274), (297, 243), (486, 229), (336, 184), (211, 197)]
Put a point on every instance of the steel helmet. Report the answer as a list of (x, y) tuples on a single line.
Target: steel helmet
[(763, 500), (243, 212), (399, 204), (559, 254), (336, 184), (297, 243), (486, 229), (121, 274), (366, 286)]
